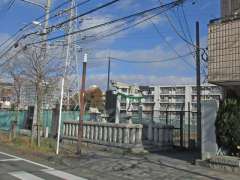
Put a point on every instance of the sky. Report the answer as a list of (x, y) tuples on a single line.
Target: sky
[(154, 40)]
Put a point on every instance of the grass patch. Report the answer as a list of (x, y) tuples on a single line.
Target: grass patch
[(23, 143)]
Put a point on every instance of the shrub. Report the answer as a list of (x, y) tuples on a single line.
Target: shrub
[(228, 125)]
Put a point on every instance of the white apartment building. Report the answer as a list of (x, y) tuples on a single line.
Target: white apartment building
[(156, 100), (182, 98)]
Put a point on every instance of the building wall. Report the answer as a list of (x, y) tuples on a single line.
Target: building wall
[(28, 96), (229, 7), (224, 52), (6, 95)]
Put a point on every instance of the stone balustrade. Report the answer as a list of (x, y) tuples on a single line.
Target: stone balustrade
[(110, 134), (160, 135)]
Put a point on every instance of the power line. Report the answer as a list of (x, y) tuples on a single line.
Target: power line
[(179, 34), (125, 28), (177, 15), (10, 58), (170, 46), (53, 10), (28, 25), (172, 4), (88, 12), (149, 61), (187, 24)]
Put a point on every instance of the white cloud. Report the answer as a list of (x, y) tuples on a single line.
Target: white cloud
[(158, 53), (139, 79)]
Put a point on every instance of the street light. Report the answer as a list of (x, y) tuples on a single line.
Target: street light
[(37, 23)]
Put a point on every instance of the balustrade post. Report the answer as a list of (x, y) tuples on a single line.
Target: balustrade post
[(67, 129), (120, 135), (64, 129), (126, 135), (92, 132), (105, 133), (139, 135), (109, 134), (133, 135), (84, 130), (100, 133), (73, 130), (87, 131), (96, 132), (114, 134)]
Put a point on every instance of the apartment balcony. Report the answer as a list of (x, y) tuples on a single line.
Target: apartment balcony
[(147, 108), (164, 101), (180, 100), (174, 101), (165, 92), (145, 93), (148, 101), (180, 92)]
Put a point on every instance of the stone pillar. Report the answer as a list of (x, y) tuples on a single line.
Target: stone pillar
[(118, 107)]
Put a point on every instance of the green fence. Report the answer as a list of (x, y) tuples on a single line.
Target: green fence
[(6, 117)]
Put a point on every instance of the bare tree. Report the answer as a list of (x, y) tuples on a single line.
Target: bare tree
[(41, 70)]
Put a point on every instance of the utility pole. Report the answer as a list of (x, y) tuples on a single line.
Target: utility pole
[(47, 11), (198, 81), (82, 95), (109, 71), (69, 39), (39, 89)]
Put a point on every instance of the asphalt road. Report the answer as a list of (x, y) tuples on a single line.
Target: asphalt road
[(15, 168)]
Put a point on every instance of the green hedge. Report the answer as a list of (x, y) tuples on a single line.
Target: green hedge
[(228, 125)]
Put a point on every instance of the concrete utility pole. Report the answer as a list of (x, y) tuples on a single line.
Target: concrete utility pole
[(82, 95), (69, 40), (198, 81)]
